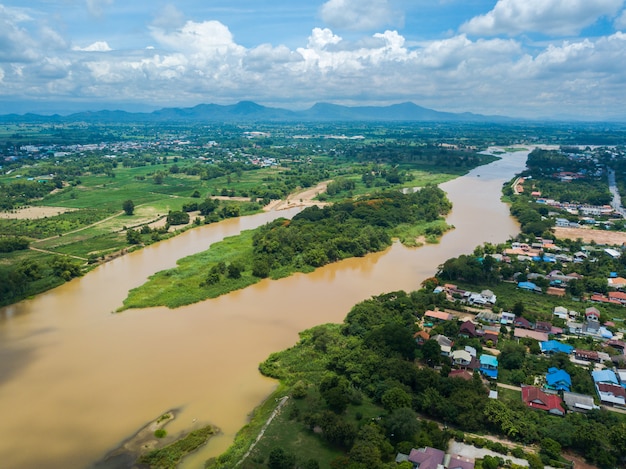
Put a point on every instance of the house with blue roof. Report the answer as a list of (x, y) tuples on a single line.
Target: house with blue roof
[(604, 376), (554, 346), (558, 380), (530, 286), (489, 366)]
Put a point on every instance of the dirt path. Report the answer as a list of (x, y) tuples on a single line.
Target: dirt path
[(57, 253), (303, 198), (278, 408), (82, 228)]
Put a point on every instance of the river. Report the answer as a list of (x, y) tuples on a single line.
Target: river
[(76, 379)]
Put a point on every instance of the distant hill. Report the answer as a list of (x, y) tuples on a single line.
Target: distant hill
[(248, 111)]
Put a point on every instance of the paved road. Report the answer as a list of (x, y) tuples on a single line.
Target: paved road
[(616, 203)]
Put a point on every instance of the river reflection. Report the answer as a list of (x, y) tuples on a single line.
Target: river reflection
[(76, 379)]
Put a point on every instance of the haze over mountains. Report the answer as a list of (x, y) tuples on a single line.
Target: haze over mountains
[(248, 111)]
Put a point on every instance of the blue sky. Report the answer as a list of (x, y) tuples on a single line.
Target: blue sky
[(521, 58)]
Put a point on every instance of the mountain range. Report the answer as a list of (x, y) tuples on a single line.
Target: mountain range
[(248, 111)]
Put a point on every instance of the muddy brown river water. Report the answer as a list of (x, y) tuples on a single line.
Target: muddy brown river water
[(76, 379)]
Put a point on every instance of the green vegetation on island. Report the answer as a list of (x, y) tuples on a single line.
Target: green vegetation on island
[(313, 238)]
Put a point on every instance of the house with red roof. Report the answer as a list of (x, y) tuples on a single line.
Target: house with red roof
[(618, 296), (535, 398), (421, 337), (592, 314)]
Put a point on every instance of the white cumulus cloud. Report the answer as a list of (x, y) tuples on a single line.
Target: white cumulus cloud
[(360, 15), (98, 46), (550, 17)]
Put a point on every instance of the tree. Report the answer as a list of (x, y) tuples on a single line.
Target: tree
[(129, 207), (431, 351), (395, 398), (178, 218), (280, 459), (550, 449), (402, 424), (133, 236)]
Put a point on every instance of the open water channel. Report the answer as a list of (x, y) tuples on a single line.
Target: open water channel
[(76, 379)]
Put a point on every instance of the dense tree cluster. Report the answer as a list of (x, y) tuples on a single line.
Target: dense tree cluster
[(316, 237)]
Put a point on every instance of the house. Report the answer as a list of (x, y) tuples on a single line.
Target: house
[(558, 380), (553, 346), (586, 355), (617, 296), (543, 326), (617, 345), (444, 343), (604, 376), (489, 366), (507, 318), (461, 358), (426, 458), (526, 334), (437, 316), (611, 394), (488, 317), (592, 314), (431, 458), (617, 282), (555, 291), (491, 336), (578, 402), (489, 296), (421, 337), (535, 398), (530, 286), (468, 329), (523, 323), (561, 312)]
